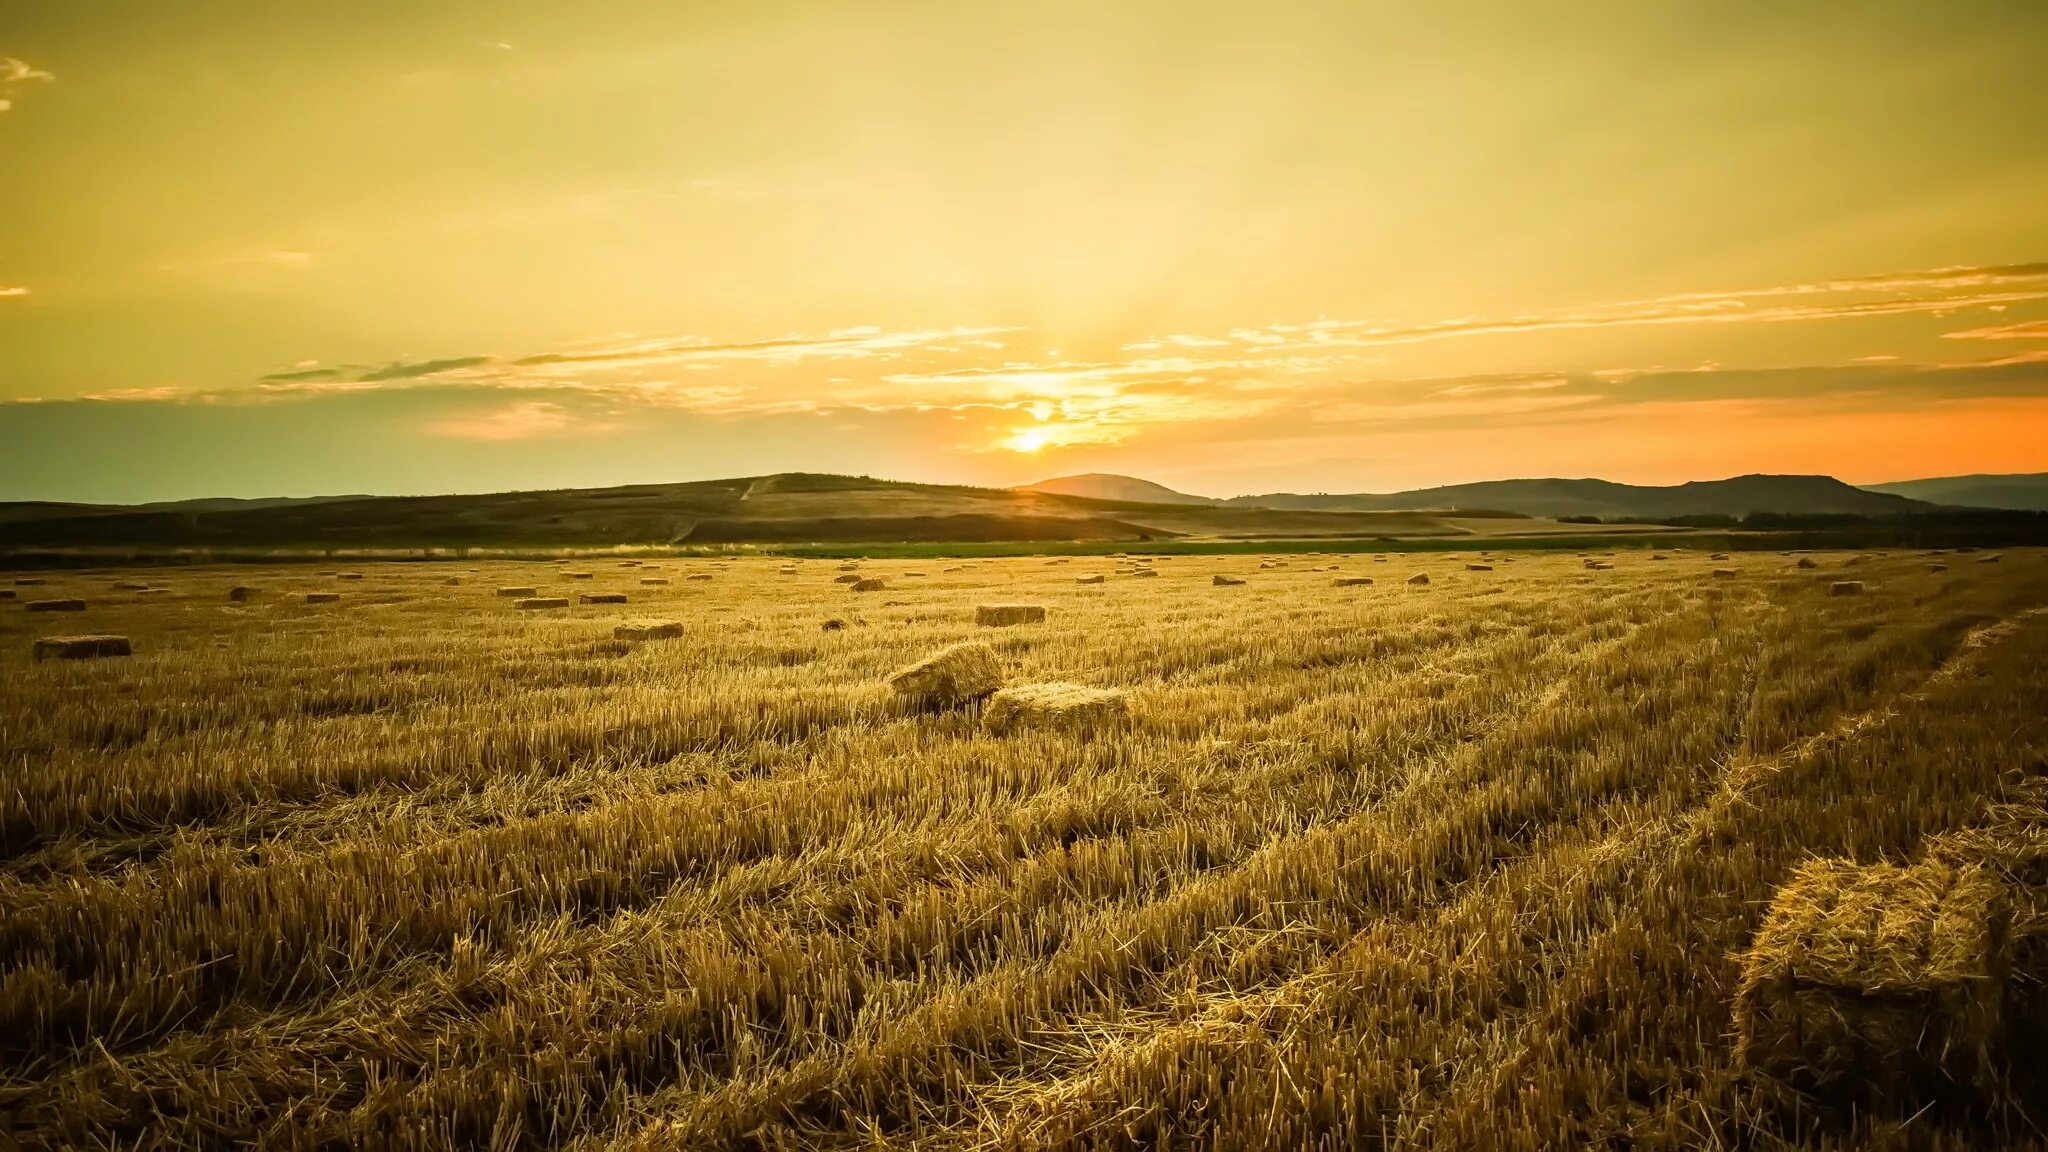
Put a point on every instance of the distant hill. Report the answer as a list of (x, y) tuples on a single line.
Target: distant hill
[(1741, 495), (2024, 490), (1107, 486)]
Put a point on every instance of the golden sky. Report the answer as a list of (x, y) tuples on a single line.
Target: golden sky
[(386, 246)]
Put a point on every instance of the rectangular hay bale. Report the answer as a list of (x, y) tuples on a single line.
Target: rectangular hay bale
[(602, 598), (534, 602), (1876, 977), (1004, 615), (949, 678), (1054, 705), (81, 647), (55, 606), (649, 630)]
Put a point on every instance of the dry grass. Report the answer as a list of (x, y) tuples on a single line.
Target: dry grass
[(1361, 868)]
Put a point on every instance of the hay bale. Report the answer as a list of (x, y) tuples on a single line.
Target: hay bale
[(1420, 578), (1846, 588), (849, 566), (1004, 615), (1096, 578), (849, 578), (348, 575), (1352, 582), (81, 647), (1054, 705), (55, 606), (533, 602), (833, 625), (1876, 977), (518, 590), (6, 593), (1807, 562), (601, 598), (1937, 567), (580, 575), (1478, 567), (1220, 580), (241, 592), (787, 570), (698, 576), (1600, 566), (649, 630), (322, 597), (654, 581), (1993, 559), (870, 584), (28, 581), (129, 586), (1724, 573), (1717, 556), (1146, 572), (451, 581), (950, 677)]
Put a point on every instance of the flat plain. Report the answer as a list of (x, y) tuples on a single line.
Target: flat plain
[(1464, 865)]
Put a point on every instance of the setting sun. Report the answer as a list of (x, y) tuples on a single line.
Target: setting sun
[(1029, 439)]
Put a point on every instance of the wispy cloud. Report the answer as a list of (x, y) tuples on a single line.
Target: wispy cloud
[(15, 77), (2026, 330), (1936, 292), (523, 420), (423, 368)]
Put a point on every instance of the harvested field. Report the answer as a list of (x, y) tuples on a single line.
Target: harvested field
[(1486, 866)]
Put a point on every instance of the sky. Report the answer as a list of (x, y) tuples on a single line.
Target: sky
[(1296, 245)]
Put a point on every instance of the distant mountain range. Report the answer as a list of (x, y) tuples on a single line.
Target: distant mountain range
[(1739, 496), (795, 508), (2025, 490)]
